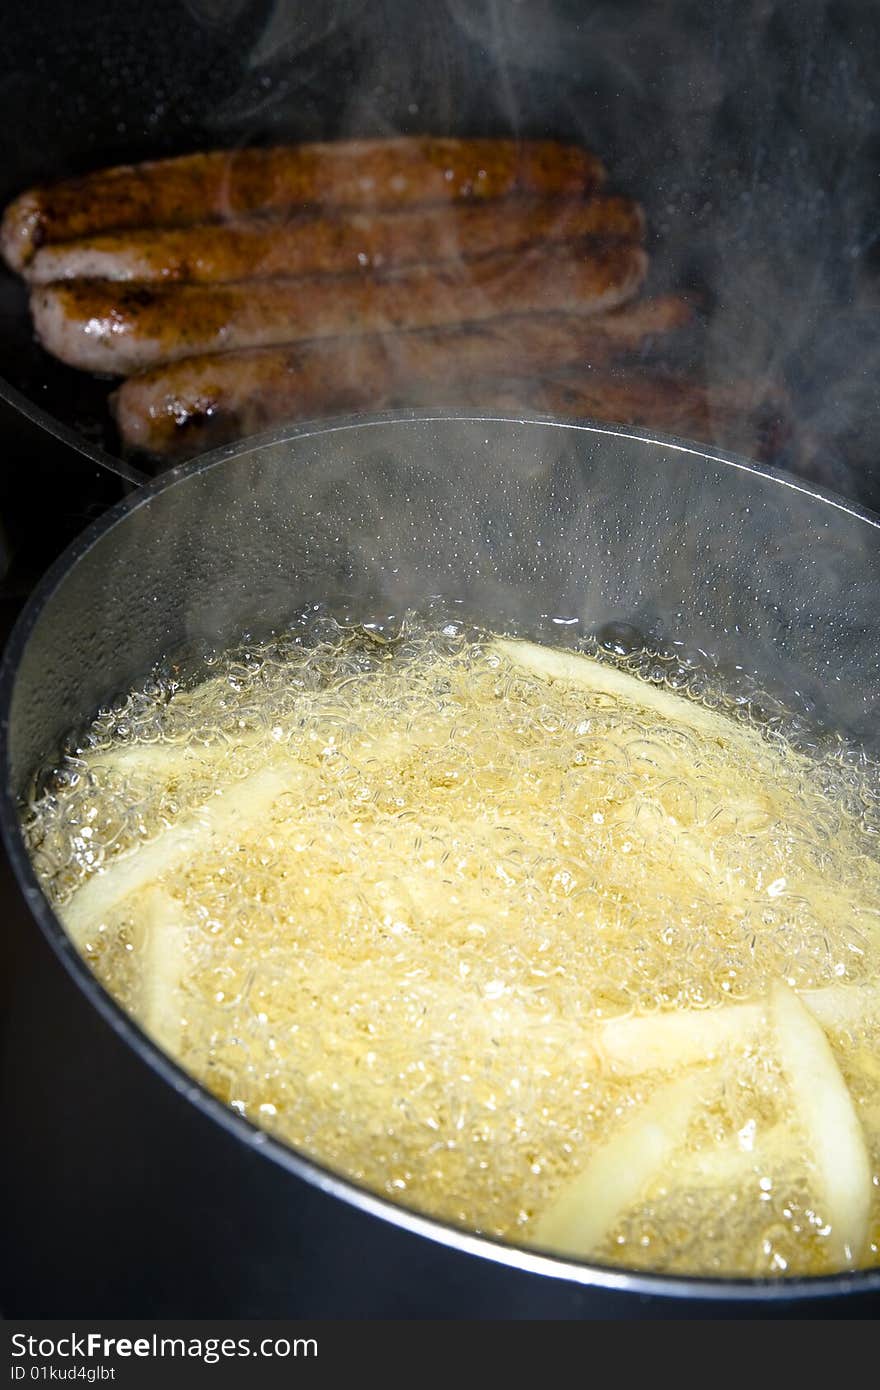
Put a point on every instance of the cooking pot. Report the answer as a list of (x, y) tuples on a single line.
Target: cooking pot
[(137, 1192)]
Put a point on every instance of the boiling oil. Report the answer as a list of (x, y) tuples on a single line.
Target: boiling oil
[(386, 895)]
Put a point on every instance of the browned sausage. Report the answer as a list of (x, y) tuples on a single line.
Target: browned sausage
[(104, 326), (347, 173), (261, 247), (734, 415), (177, 410)]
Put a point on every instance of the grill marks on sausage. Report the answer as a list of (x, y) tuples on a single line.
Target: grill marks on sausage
[(179, 408), (220, 184), (264, 247), (107, 327)]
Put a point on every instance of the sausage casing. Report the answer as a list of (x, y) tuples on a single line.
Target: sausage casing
[(104, 326), (176, 410), (219, 184), (266, 247)]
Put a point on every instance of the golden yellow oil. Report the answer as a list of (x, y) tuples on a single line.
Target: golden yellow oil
[(384, 896)]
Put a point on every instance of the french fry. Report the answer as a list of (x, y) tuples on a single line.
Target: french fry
[(162, 971), (576, 668), (666, 1042), (234, 806), (161, 762), (838, 1007), (231, 810), (588, 1207), (826, 1112)]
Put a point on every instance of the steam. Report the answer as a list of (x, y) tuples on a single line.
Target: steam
[(747, 128), (292, 30), (215, 14)]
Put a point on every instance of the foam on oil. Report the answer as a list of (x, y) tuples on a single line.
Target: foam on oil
[(417, 878)]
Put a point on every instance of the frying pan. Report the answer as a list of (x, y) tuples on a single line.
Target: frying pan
[(749, 133), (135, 1188)]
